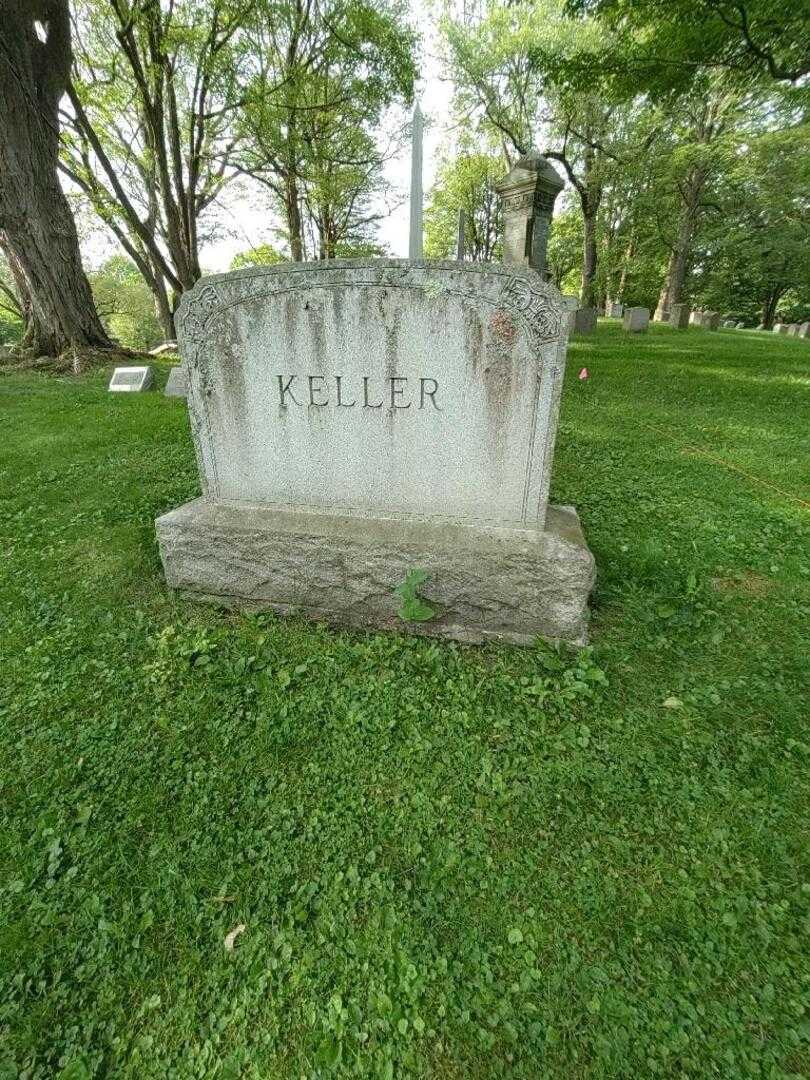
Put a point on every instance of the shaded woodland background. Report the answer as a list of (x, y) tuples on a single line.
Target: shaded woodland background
[(682, 131)]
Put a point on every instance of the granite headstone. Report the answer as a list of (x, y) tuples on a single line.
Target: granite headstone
[(636, 319), (584, 320), (359, 420)]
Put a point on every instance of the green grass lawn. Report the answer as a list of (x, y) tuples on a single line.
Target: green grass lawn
[(450, 862)]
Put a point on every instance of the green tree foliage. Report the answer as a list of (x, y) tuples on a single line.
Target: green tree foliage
[(38, 233), (467, 184), (320, 78), (512, 69), (653, 163), (564, 255), (696, 147), (11, 312), (660, 46), (360, 249), (755, 260), (149, 132), (126, 304), (267, 255), (12, 303), (262, 255)]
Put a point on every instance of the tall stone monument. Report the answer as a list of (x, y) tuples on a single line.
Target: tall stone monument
[(528, 192), (357, 421), (415, 235)]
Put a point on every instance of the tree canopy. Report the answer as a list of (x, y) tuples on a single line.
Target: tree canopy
[(679, 128)]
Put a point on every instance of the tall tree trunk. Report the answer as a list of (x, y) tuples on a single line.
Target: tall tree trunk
[(769, 307), (587, 292), (608, 239), (629, 252), (34, 213), (328, 233), (163, 308), (609, 275), (590, 196), (672, 289), (292, 209)]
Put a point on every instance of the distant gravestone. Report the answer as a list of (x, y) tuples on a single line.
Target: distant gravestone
[(177, 382), (804, 330), (527, 195), (711, 320), (131, 379), (636, 319), (780, 328), (167, 346), (584, 320), (728, 324), (342, 458), (570, 304), (793, 329), (761, 326), (695, 317), (679, 316), (740, 326), (614, 311)]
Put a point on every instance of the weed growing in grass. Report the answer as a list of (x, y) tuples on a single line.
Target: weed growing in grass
[(414, 608)]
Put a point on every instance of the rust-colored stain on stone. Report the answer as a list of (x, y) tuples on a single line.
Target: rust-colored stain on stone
[(502, 327)]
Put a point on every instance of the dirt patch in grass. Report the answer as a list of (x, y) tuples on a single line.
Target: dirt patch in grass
[(746, 582)]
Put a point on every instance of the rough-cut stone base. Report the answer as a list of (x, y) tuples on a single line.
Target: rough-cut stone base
[(486, 582)]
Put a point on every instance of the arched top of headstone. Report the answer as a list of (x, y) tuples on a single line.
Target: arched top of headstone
[(535, 302)]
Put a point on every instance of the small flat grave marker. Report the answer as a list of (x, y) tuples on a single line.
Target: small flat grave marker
[(131, 379)]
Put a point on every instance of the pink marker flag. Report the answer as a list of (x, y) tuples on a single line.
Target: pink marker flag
[(584, 373)]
